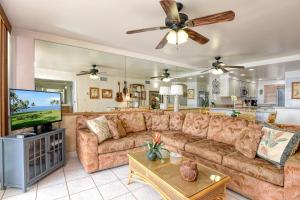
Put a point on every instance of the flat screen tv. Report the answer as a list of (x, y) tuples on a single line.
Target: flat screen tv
[(30, 108)]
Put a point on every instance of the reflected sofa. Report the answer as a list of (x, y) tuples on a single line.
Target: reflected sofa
[(206, 139)]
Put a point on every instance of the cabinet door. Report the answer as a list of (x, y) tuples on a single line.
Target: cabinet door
[(56, 149), (36, 151)]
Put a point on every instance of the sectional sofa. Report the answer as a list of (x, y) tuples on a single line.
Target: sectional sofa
[(207, 139)]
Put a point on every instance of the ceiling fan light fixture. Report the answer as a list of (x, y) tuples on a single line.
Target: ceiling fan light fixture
[(177, 37), (94, 76), (166, 79), (216, 71)]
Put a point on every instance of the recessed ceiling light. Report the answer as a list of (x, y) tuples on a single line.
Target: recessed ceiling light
[(260, 79), (231, 72), (253, 82), (251, 69), (243, 75), (190, 78), (201, 76)]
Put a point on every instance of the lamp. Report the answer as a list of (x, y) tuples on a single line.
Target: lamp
[(217, 71), (165, 91), (94, 76), (177, 37), (176, 90)]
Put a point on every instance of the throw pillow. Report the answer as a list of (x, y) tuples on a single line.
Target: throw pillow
[(248, 142), (277, 145), (99, 126), (116, 129), (176, 121), (160, 122)]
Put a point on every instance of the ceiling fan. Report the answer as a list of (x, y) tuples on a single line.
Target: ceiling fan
[(165, 76), (219, 67), (180, 24), (94, 72)]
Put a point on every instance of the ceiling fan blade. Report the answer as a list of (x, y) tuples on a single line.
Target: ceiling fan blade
[(163, 42), (154, 77), (235, 67), (147, 29), (170, 8), (82, 73), (196, 36), (224, 70), (211, 19), (205, 71)]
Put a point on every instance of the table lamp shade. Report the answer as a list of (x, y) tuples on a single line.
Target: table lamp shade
[(176, 90), (164, 90)]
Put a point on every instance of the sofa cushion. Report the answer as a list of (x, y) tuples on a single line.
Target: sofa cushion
[(256, 167), (140, 138), (113, 145), (176, 121), (225, 129), (178, 140), (116, 128), (160, 122), (248, 141), (99, 126), (209, 149), (196, 124), (277, 145), (133, 122)]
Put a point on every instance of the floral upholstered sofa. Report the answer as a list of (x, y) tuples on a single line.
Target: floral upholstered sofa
[(210, 140)]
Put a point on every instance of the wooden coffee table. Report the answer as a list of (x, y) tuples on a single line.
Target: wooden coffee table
[(165, 178)]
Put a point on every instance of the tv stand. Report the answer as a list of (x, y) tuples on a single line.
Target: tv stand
[(39, 129), (24, 161)]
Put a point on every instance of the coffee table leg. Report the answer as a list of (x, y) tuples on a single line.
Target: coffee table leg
[(129, 176)]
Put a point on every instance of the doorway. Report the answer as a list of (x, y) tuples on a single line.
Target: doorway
[(63, 87)]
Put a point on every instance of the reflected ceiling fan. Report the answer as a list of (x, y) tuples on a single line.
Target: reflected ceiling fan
[(165, 76), (219, 67), (180, 24), (94, 72)]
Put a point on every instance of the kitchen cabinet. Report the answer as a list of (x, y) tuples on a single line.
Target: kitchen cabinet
[(232, 87)]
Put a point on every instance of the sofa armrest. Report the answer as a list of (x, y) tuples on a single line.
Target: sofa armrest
[(87, 150), (292, 177)]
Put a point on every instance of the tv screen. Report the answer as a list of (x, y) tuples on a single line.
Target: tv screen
[(32, 108)]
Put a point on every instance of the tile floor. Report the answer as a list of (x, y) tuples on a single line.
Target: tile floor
[(72, 183)]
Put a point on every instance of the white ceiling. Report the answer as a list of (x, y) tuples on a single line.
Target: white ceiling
[(262, 29)]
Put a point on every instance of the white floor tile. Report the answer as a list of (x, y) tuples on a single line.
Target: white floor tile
[(121, 172), (112, 190), (55, 178), (146, 193), (75, 174), (133, 185), (23, 196), (104, 177), (127, 196), (92, 194), (79, 185), (64, 198), (72, 164), (52, 192), (16, 191)]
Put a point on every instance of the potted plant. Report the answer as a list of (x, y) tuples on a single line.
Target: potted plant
[(155, 147)]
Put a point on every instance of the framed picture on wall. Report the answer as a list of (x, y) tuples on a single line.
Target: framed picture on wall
[(295, 90), (190, 93), (94, 93), (107, 94)]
